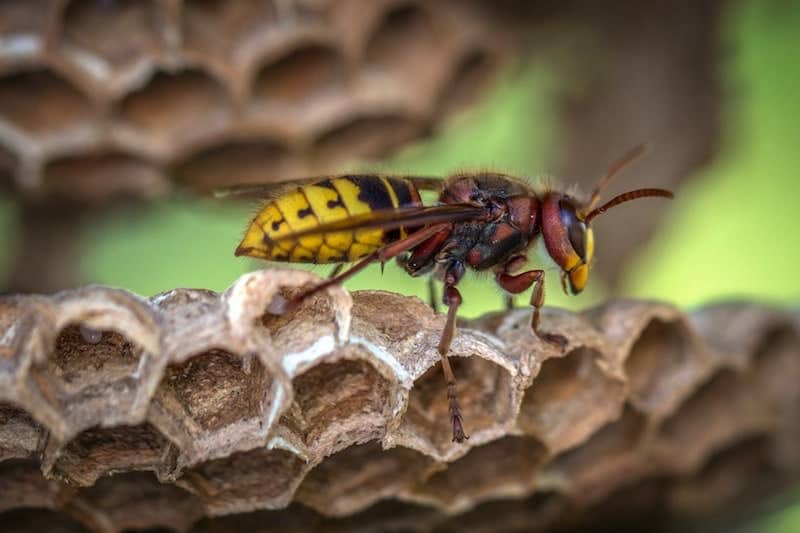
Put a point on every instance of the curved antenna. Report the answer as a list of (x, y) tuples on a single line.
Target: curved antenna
[(627, 197), (613, 170)]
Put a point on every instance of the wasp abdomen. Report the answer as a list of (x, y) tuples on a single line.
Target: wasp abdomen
[(325, 201)]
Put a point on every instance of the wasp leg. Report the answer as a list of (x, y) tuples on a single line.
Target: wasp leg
[(508, 301), (520, 282), (383, 254), (432, 300), (335, 271), (452, 298)]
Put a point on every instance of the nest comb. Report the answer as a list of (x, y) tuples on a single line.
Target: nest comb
[(194, 410), (100, 99)]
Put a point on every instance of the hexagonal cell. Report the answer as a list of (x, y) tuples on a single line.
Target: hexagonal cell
[(24, 27), (570, 399), (137, 501), (474, 71), (23, 485), (85, 369), (503, 468), (42, 104), (366, 137), (220, 30), (234, 162), (408, 316), (609, 458), (742, 467), (183, 107), (246, 481), (37, 519), (775, 364), (92, 30), (215, 389), (540, 512), (342, 400), (662, 367), (99, 452), (724, 409), (407, 36), (300, 76), (485, 392), (357, 477), (20, 435), (102, 176)]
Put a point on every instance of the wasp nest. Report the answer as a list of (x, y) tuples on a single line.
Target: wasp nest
[(118, 412), (101, 98)]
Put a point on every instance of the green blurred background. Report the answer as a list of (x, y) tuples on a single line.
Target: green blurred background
[(731, 233)]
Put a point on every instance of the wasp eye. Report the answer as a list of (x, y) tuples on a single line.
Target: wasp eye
[(576, 230)]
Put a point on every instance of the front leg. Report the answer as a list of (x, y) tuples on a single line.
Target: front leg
[(519, 283)]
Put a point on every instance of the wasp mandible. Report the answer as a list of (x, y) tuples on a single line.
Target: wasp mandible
[(484, 221)]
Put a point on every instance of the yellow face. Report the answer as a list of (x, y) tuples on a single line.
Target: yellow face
[(579, 274)]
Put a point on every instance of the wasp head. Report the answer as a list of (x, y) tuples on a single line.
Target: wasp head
[(568, 238)]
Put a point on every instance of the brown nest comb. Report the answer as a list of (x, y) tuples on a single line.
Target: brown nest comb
[(194, 410)]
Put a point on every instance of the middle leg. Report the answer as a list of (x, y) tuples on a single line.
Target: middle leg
[(519, 283)]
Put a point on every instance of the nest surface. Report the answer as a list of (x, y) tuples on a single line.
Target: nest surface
[(118, 412)]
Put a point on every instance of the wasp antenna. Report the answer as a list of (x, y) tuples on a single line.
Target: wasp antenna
[(613, 170), (627, 197)]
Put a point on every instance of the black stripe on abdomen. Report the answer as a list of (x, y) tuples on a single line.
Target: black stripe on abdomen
[(402, 191), (372, 192)]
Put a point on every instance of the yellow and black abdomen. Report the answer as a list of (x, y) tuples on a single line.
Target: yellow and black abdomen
[(321, 202)]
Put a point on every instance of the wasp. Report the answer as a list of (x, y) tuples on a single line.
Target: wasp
[(484, 221)]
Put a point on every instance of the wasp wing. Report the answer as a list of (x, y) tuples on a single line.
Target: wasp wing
[(388, 219), (270, 191)]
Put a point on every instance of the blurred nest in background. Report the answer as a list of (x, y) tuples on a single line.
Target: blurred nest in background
[(102, 100)]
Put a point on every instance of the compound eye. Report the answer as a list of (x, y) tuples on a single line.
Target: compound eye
[(576, 230)]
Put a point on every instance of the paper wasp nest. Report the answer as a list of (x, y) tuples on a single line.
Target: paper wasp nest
[(99, 98), (199, 411)]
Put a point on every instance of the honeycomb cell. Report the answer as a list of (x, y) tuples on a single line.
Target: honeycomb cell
[(215, 389), (407, 36), (724, 409), (98, 452), (727, 475), (24, 27), (246, 481), (20, 436), (23, 485), (662, 366), (366, 137), (357, 477), (85, 361), (343, 400), (137, 501), (484, 393), (502, 468), (176, 109), (596, 468), (41, 104), (107, 39), (220, 30), (474, 71), (570, 399), (540, 512), (235, 162), (300, 76), (103, 176)]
